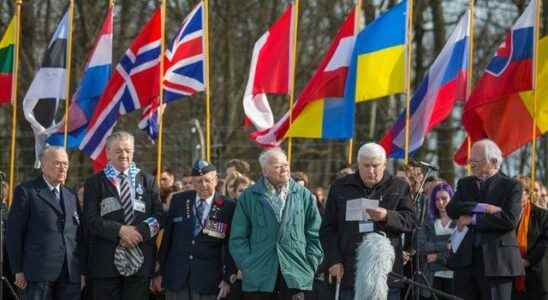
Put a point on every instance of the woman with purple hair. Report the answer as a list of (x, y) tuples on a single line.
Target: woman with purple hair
[(438, 230)]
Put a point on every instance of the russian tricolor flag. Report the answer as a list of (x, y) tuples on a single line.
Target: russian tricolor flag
[(434, 98), (94, 80)]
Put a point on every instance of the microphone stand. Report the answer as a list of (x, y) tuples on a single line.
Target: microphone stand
[(2, 242), (401, 278), (418, 274)]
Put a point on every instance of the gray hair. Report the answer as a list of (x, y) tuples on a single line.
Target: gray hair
[(493, 154), (49, 148), (265, 157), (118, 136), (371, 151)]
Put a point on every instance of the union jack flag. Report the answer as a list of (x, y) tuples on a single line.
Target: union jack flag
[(130, 88), (183, 65)]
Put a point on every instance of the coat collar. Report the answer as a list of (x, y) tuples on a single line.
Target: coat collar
[(356, 180), (260, 186), (45, 194)]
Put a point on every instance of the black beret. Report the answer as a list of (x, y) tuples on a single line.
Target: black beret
[(202, 167)]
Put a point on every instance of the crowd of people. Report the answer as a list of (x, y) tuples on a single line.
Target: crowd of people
[(206, 233)]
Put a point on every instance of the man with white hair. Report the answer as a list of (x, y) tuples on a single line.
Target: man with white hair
[(122, 213), (488, 205), (274, 238), (394, 216)]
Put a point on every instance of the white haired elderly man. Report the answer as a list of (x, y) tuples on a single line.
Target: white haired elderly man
[(488, 204), (394, 216), (274, 238)]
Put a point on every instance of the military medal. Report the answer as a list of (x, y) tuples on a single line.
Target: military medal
[(215, 229), (188, 209)]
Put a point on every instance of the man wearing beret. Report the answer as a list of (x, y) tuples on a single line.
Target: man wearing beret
[(194, 259)]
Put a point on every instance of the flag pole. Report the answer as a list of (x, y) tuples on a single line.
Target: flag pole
[(409, 49), (14, 98), (68, 65), (357, 20), (535, 84), (292, 68), (207, 81), (469, 72), (161, 91)]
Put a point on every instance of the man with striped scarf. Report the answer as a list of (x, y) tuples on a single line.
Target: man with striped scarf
[(122, 212)]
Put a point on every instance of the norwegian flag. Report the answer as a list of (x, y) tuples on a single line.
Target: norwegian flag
[(130, 88), (183, 65)]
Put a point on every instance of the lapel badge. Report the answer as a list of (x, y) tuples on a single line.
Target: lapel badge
[(139, 189)]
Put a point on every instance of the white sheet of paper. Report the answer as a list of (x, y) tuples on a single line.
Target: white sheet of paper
[(355, 209), (457, 237)]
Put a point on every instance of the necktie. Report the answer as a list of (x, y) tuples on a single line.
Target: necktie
[(125, 198), (200, 208), (127, 260), (58, 198)]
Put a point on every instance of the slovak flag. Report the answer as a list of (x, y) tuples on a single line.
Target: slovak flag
[(269, 71), (94, 80), (131, 87), (433, 100), (184, 68), (510, 71)]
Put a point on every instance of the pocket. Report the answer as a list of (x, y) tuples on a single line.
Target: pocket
[(511, 243)]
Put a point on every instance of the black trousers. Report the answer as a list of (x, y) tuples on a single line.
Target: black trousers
[(472, 284), (120, 288), (281, 292), (61, 289)]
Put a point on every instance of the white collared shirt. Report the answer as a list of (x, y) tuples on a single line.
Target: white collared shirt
[(52, 187), (207, 208)]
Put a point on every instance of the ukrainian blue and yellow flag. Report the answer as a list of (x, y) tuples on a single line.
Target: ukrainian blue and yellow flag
[(377, 65)]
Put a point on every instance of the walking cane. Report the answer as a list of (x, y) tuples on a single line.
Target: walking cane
[(337, 289)]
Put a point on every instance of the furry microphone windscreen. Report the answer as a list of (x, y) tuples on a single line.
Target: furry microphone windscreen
[(374, 262)]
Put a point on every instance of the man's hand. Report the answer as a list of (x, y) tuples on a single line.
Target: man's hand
[(336, 271), (525, 262), (406, 257), (463, 221), (20, 281), (224, 289), (240, 275), (129, 236), (431, 257), (156, 284), (376, 214), (492, 209)]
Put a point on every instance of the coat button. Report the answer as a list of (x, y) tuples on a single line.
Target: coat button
[(193, 242), (190, 257)]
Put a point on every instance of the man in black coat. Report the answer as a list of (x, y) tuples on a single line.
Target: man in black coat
[(394, 216), (43, 230), (194, 259), (122, 213), (489, 205)]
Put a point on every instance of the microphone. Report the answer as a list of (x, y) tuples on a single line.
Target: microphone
[(422, 164), (375, 259)]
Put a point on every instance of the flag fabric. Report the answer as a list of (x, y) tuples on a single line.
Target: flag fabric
[(496, 106), (377, 64), (43, 103), (95, 77), (131, 87), (434, 98), (269, 71), (7, 56), (320, 110), (184, 68)]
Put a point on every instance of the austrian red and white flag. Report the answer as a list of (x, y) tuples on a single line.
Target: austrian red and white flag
[(269, 71)]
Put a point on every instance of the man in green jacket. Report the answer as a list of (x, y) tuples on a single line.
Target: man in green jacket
[(274, 238)]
